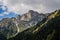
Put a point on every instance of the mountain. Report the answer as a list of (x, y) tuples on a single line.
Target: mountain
[(47, 29), (31, 18), (10, 27)]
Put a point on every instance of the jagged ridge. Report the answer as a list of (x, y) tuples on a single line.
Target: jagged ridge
[(46, 30)]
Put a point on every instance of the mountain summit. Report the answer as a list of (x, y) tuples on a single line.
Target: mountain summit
[(10, 27), (48, 29), (32, 17)]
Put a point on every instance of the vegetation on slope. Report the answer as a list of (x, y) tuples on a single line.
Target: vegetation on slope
[(46, 30)]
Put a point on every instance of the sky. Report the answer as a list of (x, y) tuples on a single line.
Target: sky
[(15, 7)]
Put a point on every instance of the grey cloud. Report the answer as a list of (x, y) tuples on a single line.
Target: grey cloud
[(50, 5)]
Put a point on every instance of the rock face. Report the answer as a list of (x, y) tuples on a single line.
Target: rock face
[(31, 18), (10, 27), (48, 29), (32, 15), (26, 17)]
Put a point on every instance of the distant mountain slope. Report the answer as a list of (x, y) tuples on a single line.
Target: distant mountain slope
[(48, 29), (31, 18), (10, 27)]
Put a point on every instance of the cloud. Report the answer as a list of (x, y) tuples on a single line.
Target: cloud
[(3, 10), (22, 6), (1, 14), (4, 13)]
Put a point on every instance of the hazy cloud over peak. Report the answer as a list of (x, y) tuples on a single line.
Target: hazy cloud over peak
[(22, 6)]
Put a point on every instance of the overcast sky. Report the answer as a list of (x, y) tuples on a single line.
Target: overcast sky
[(22, 6)]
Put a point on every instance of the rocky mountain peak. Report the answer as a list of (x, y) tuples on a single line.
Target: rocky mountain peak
[(30, 11), (19, 23), (26, 17), (18, 17), (33, 12), (29, 15), (48, 29)]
